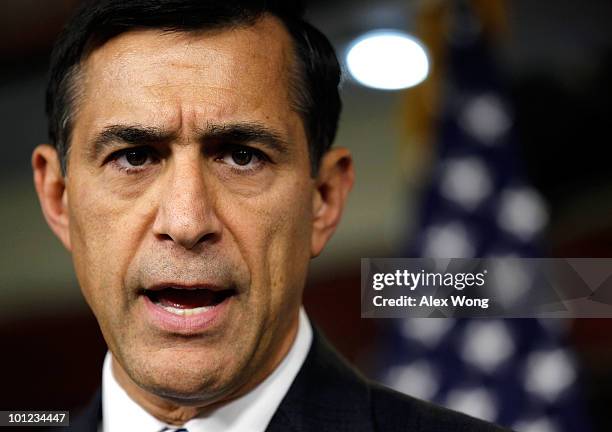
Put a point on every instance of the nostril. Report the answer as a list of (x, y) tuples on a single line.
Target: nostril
[(165, 237), (187, 243), (208, 238)]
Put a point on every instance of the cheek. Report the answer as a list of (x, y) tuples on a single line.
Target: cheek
[(104, 233), (273, 232)]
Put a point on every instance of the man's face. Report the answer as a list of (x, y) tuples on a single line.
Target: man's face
[(190, 205)]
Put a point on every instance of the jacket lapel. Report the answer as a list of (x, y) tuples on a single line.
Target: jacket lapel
[(326, 395)]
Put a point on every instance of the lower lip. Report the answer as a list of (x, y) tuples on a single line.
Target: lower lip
[(190, 324)]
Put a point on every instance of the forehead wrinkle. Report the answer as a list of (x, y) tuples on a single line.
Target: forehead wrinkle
[(180, 54), (185, 62), (278, 72)]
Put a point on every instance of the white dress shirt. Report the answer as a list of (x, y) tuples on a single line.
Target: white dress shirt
[(250, 413)]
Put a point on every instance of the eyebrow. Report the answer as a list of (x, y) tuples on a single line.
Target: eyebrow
[(243, 133), (235, 133), (129, 134)]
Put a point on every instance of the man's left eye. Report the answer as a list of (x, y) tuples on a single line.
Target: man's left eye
[(243, 158)]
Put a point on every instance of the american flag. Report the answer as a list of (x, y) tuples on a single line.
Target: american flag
[(518, 373)]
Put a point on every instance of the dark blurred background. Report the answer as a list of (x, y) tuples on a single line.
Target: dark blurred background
[(501, 150)]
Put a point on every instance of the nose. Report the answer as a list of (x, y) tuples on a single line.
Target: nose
[(186, 213)]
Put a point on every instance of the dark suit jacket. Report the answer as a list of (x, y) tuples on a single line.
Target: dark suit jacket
[(329, 395)]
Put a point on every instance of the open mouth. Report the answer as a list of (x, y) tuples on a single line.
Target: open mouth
[(186, 302)]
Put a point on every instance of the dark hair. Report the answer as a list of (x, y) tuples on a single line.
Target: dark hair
[(314, 88)]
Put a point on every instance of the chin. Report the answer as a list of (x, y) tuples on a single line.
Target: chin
[(185, 378), (185, 388)]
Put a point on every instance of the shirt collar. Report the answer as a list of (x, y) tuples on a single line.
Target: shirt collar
[(250, 413)]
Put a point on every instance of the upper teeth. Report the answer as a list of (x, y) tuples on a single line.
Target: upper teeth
[(186, 312)]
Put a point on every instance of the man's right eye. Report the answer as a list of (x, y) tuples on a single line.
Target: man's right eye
[(133, 159), (136, 157)]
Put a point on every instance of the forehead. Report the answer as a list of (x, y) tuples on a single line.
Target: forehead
[(220, 73)]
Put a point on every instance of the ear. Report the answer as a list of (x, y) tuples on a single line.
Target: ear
[(333, 184), (51, 189)]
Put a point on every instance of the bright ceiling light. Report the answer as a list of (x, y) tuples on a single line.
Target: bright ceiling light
[(388, 60)]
